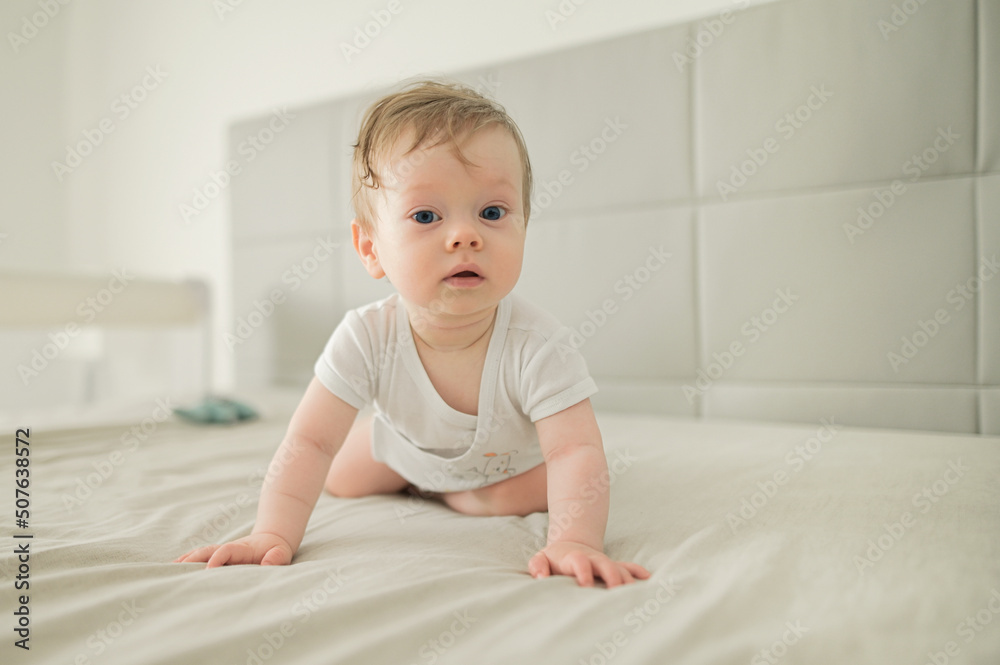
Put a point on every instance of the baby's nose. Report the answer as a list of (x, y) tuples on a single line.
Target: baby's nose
[(464, 234)]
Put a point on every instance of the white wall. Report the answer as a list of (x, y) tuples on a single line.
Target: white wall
[(33, 73), (201, 67)]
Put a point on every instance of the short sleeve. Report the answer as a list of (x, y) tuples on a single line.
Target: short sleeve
[(554, 377), (345, 367)]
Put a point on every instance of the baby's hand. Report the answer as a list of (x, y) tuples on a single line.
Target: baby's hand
[(265, 549), (584, 563)]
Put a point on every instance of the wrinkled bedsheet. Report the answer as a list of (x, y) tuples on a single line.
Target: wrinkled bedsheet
[(767, 543)]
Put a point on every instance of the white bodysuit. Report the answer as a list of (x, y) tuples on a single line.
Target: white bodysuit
[(531, 372)]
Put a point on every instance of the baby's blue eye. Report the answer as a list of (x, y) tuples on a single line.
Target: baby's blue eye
[(493, 213), (426, 217)]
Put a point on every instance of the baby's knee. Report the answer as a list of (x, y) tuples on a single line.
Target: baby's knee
[(520, 495), (343, 484), (341, 491)]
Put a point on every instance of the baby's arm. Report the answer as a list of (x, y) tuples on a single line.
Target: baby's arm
[(293, 484), (578, 501)]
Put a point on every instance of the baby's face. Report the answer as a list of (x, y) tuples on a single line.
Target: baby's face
[(450, 236)]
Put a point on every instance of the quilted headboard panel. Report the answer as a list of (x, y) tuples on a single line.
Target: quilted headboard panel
[(785, 213)]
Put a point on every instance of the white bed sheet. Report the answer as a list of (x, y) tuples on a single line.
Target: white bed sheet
[(399, 580)]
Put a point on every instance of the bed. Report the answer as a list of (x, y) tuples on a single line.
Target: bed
[(767, 543)]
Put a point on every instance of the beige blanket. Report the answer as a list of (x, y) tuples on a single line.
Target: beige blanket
[(768, 543)]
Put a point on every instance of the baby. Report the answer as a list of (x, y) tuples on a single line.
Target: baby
[(479, 399)]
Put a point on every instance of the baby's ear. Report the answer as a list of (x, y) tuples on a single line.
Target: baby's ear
[(364, 245)]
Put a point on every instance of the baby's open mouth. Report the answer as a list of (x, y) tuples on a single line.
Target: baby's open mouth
[(463, 279)]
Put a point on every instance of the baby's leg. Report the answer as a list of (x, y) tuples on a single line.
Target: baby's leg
[(521, 495), (354, 473)]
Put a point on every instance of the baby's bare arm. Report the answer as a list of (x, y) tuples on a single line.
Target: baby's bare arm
[(295, 477), (578, 501), (293, 483)]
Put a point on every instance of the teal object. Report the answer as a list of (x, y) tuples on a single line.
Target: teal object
[(217, 411), (213, 410)]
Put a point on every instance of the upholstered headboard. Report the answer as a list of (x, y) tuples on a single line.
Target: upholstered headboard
[(785, 213)]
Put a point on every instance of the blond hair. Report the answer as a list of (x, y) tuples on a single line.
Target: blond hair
[(435, 112)]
